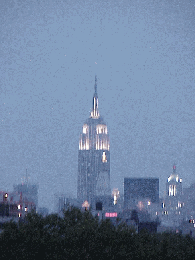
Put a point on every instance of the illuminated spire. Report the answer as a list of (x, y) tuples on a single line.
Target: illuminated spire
[(96, 84), (95, 112)]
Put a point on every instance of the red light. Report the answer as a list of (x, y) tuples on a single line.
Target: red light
[(111, 214)]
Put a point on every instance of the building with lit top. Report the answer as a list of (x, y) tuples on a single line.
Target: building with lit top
[(172, 206), (174, 184), (93, 157)]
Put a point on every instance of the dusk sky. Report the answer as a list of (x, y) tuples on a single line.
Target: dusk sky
[(142, 52)]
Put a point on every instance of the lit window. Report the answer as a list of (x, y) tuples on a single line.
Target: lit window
[(115, 200), (172, 190), (156, 213), (104, 159), (85, 129), (163, 205), (25, 208), (149, 203), (18, 206), (101, 129)]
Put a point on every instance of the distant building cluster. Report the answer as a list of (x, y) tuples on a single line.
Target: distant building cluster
[(16, 204), (140, 205)]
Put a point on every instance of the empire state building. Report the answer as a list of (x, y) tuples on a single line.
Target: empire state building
[(93, 157)]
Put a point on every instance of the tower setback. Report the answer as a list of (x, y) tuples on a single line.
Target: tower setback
[(93, 157)]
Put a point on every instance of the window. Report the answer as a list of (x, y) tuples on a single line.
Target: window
[(101, 129), (172, 190), (85, 129), (104, 159)]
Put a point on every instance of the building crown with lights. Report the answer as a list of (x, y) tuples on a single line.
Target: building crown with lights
[(174, 184), (93, 156)]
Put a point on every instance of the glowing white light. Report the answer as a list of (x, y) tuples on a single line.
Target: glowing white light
[(149, 203), (172, 190), (18, 206), (115, 199), (104, 159), (85, 129), (101, 129), (87, 144), (85, 204)]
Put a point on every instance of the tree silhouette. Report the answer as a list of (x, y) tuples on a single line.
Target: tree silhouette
[(80, 235), (134, 216)]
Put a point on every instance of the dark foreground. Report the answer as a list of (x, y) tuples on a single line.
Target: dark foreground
[(81, 236)]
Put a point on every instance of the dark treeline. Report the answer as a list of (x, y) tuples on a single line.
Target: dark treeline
[(79, 235)]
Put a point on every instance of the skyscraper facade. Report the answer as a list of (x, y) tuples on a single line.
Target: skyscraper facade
[(93, 157)]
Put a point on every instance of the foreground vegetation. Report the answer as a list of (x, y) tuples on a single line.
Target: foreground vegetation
[(79, 235)]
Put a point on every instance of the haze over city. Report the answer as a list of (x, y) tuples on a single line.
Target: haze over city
[(143, 55)]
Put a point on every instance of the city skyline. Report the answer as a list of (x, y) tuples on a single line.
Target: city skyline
[(143, 55)]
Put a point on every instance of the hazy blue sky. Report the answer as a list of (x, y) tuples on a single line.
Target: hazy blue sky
[(143, 54)]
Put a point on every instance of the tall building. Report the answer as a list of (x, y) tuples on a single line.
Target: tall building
[(28, 192), (138, 189), (172, 206), (93, 157)]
